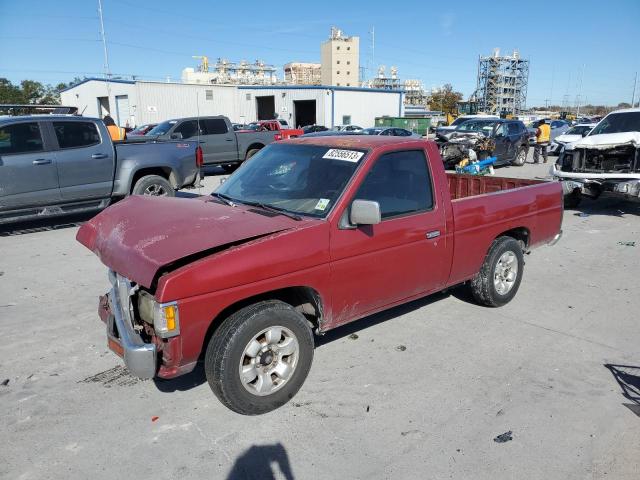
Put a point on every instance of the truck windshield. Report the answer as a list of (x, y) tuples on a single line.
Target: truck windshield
[(618, 123), (304, 179), (162, 128)]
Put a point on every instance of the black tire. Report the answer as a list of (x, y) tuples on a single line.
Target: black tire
[(483, 287), (251, 153), (521, 157), (226, 350), (573, 199), (153, 185)]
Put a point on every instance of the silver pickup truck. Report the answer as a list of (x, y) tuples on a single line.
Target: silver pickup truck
[(221, 145), (56, 165)]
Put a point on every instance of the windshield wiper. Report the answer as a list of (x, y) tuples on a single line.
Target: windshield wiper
[(271, 208), (224, 198)]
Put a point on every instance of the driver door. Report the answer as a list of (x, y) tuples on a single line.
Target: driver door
[(501, 138)]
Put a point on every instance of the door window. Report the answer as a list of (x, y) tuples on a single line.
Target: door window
[(188, 129), (501, 131), (514, 129), (76, 134), (213, 126), (20, 138), (400, 183)]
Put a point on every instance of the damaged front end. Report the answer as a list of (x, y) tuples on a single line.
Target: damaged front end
[(593, 169), (463, 148)]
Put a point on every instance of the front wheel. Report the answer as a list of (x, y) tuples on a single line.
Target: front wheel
[(521, 157), (499, 278), (259, 357), (153, 185)]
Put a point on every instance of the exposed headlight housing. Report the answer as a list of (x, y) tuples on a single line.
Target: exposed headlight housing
[(164, 317)]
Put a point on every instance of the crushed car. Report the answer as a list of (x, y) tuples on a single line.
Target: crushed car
[(607, 160)]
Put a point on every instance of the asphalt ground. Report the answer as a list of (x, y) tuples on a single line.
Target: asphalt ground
[(426, 390)]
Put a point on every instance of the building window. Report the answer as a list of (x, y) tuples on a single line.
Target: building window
[(348, 62), (348, 73), (248, 96), (338, 84), (338, 62), (348, 84), (208, 94), (338, 72), (338, 48), (348, 48)]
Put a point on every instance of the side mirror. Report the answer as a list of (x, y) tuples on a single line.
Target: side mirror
[(365, 212), (176, 136)]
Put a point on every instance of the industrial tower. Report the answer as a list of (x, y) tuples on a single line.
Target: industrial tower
[(502, 83)]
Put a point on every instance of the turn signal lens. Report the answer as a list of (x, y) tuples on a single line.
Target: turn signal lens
[(166, 319)]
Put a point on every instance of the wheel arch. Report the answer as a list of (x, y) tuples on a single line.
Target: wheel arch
[(304, 299), (521, 234), (165, 172)]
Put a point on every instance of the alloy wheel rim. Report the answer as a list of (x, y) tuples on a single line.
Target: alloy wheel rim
[(155, 190), (269, 360), (505, 273)]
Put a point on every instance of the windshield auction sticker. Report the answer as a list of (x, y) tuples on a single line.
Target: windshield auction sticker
[(346, 155), (322, 204)]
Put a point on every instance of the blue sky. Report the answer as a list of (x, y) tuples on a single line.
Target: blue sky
[(53, 41)]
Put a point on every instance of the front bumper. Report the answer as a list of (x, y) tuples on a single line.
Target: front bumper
[(593, 184), (139, 357)]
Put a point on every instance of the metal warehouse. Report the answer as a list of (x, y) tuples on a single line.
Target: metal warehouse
[(133, 103)]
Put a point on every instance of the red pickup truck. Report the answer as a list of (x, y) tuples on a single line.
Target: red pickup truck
[(307, 235), (275, 126)]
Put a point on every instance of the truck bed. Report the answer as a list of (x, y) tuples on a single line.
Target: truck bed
[(462, 186)]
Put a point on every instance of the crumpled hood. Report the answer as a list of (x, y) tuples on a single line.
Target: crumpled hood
[(608, 140), (567, 138), (141, 234)]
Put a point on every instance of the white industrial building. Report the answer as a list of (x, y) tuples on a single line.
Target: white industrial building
[(139, 102)]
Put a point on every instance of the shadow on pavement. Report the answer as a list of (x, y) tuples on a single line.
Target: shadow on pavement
[(610, 206), (256, 463), (628, 378)]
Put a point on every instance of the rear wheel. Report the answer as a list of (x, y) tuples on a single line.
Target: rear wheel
[(499, 278), (251, 153), (153, 185), (521, 157), (259, 357)]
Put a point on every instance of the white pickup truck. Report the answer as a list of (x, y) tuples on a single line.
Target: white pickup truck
[(605, 160)]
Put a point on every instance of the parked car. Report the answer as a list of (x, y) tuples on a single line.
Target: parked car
[(347, 128), (330, 133), (389, 131), (57, 165), (573, 134), (606, 160), (558, 127), (141, 130), (314, 128), (310, 234), (509, 141), (445, 130), (275, 126), (221, 145)]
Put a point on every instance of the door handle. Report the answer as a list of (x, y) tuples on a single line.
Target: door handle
[(42, 161), (228, 139), (97, 156), (433, 234)]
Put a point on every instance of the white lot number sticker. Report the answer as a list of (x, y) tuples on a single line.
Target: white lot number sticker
[(346, 155), (322, 204)]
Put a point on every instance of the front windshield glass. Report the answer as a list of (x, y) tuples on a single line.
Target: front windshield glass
[(304, 179), (162, 128), (578, 130), (372, 131), (458, 121), (478, 126), (618, 122)]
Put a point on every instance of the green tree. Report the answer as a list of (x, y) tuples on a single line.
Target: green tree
[(9, 93), (445, 99)]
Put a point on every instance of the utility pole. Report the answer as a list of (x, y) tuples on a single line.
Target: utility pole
[(373, 51), (107, 71), (580, 90), (633, 96)]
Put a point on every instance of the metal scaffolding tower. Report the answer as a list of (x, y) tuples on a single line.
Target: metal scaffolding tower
[(502, 83)]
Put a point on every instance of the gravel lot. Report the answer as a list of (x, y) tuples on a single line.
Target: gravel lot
[(419, 391)]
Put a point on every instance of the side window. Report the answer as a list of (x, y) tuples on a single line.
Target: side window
[(400, 183), (76, 134), (188, 129), (20, 138), (514, 129), (215, 126), (501, 131)]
